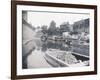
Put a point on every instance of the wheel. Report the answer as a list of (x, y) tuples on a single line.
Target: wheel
[(43, 38)]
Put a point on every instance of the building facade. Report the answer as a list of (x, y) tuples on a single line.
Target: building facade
[(81, 26), (65, 27)]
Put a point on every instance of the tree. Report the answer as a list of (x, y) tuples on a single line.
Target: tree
[(52, 28), (38, 27), (57, 31), (53, 24), (44, 29)]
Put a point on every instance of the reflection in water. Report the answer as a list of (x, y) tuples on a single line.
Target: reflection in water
[(61, 45), (54, 45)]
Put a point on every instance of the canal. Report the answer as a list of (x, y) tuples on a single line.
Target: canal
[(61, 45)]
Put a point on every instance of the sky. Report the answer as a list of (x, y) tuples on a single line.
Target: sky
[(44, 18)]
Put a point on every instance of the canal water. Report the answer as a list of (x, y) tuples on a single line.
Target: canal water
[(61, 45), (36, 59)]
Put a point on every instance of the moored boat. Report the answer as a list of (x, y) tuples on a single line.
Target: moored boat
[(59, 58)]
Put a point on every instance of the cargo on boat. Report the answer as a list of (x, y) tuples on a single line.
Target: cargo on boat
[(58, 58)]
